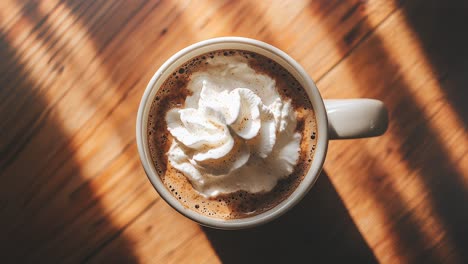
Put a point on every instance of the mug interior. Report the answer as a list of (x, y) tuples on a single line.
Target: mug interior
[(266, 50)]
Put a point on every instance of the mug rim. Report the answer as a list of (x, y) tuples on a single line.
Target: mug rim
[(304, 186)]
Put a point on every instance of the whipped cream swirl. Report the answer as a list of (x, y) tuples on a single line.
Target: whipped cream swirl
[(235, 132)]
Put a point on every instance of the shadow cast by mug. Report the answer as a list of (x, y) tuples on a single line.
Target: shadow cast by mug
[(416, 142), (319, 228)]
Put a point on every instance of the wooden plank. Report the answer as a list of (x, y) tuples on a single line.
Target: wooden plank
[(405, 193), (73, 72), (162, 235)]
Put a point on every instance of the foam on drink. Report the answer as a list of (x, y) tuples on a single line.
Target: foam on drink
[(242, 133), (234, 133)]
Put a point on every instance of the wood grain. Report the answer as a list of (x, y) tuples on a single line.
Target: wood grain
[(72, 73)]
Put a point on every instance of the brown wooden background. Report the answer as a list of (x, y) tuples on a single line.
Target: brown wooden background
[(73, 190)]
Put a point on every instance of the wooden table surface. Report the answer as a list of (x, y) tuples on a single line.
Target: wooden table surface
[(72, 73)]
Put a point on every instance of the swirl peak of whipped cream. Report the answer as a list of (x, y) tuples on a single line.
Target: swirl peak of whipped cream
[(235, 132)]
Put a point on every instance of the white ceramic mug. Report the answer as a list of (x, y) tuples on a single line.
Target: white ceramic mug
[(336, 119)]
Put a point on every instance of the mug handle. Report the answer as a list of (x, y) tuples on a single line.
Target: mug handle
[(356, 118)]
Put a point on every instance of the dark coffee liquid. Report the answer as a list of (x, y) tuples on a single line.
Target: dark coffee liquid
[(240, 204)]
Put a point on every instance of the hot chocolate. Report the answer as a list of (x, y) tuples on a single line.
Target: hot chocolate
[(231, 133)]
